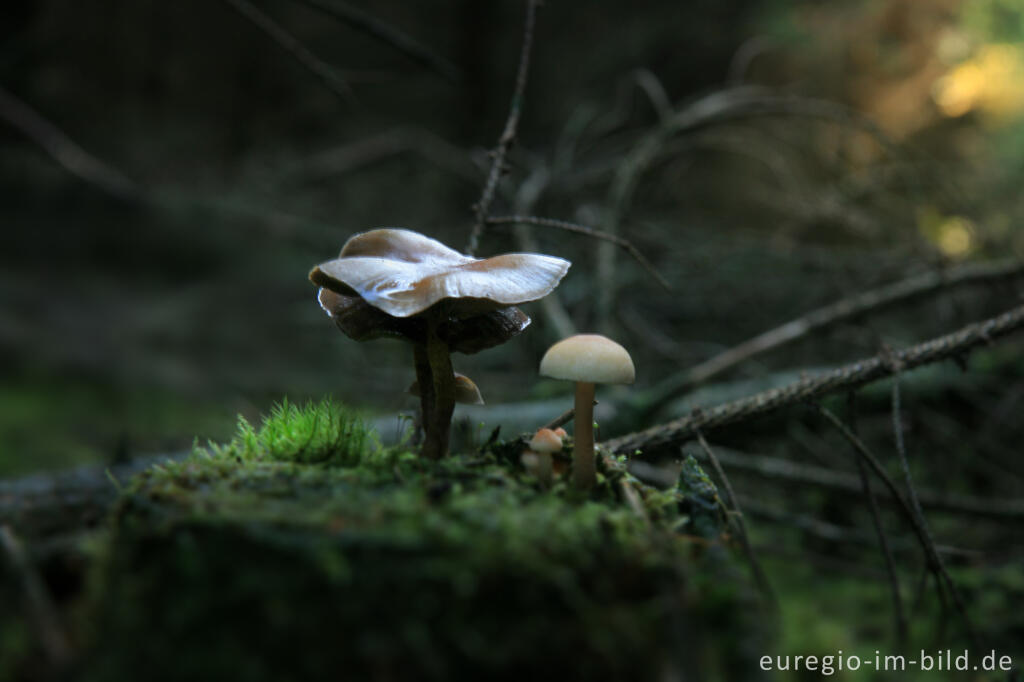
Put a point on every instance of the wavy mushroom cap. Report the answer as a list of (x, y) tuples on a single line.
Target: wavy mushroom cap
[(588, 357), (403, 273), (360, 321)]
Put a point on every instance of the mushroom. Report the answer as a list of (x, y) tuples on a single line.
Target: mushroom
[(544, 444), (587, 359), (399, 283), (466, 391)]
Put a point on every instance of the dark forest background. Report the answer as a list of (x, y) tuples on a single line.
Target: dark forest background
[(169, 172), (154, 297)]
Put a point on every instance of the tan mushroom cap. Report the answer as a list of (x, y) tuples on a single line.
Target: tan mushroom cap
[(466, 391), (588, 357), (403, 273), (545, 442)]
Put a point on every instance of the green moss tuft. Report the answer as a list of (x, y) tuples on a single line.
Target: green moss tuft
[(315, 433)]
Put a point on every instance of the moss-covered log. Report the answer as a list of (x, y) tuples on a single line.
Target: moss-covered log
[(303, 551)]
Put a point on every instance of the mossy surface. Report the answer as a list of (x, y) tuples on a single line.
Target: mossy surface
[(303, 551)]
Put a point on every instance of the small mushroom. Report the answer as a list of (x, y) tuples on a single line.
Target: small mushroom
[(399, 283), (587, 359), (466, 391), (544, 444)]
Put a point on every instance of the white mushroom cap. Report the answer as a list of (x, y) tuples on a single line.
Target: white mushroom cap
[(403, 273), (588, 357), (545, 441)]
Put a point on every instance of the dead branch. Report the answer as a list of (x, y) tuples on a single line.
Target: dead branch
[(899, 614), (290, 44), (623, 244), (844, 378), (63, 149), (508, 135), (387, 34), (872, 301)]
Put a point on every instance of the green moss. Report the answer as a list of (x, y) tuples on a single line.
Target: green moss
[(301, 550), (316, 433)]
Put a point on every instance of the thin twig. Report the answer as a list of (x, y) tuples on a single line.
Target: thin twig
[(844, 378), (576, 228), (63, 149), (730, 498), (564, 418), (41, 610), (388, 34), (290, 44), (527, 195), (915, 505), (872, 301), (634, 500), (899, 615), (935, 563), (508, 135)]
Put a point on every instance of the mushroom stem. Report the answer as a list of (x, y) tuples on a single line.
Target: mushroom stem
[(438, 408), (584, 475), (426, 383), (545, 470)]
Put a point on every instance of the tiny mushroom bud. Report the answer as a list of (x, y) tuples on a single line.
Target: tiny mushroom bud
[(587, 359), (544, 443), (561, 433), (399, 283), (466, 391)]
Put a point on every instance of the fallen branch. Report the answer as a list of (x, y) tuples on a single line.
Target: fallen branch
[(844, 378), (508, 135), (873, 301), (622, 243)]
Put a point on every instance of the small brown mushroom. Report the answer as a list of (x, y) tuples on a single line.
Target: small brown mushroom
[(466, 391), (544, 444), (587, 359), (399, 283)]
